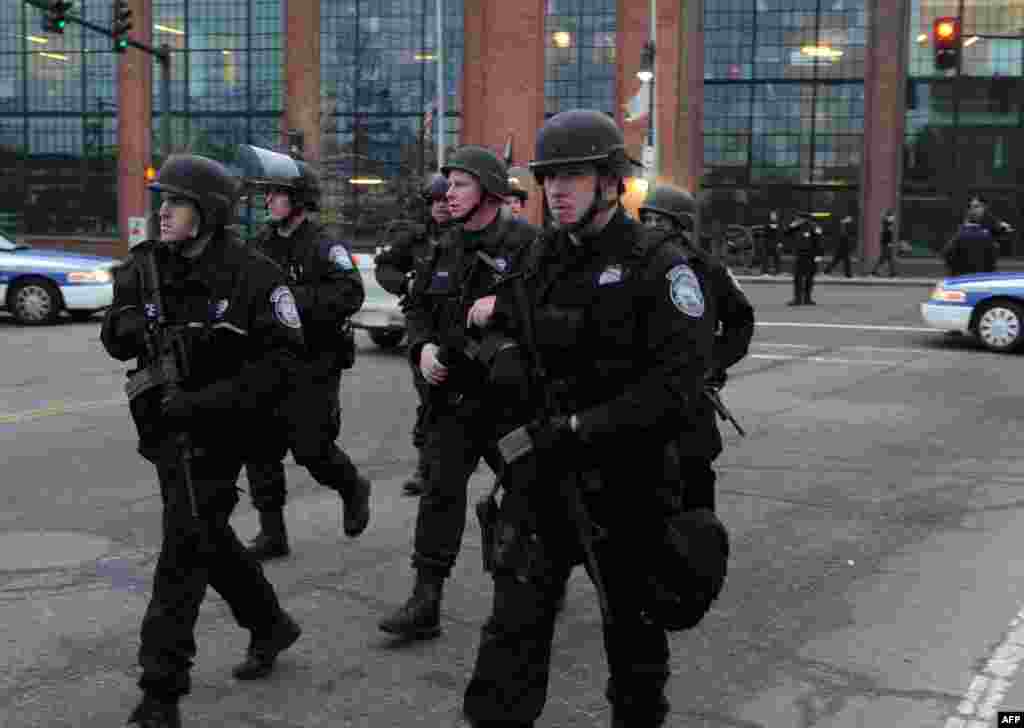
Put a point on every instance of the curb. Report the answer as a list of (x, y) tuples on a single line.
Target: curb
[(843, 281)]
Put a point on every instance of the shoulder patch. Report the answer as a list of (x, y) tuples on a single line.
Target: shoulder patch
[(684, 291), (339, 256), (285, 311)]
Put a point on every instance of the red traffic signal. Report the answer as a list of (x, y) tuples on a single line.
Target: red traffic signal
[(947, 43)]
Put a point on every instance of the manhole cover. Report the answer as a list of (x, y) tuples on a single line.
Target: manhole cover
[(49, 549)]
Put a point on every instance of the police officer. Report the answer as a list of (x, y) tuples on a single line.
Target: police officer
[(846, 241), (394, 267), (887, 244), (461, 422), (240, 333), (772, 240), (619, 321), (807, 246), (670, 209), (975, 247), (328, 289), (518, 192)]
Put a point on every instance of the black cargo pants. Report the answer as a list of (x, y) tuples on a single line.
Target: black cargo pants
[(188, 563), (307, 423)]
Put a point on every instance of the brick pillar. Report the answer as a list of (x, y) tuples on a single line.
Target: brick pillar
[(503, 79), (884, 118), (134, 129), (680, 66), (631, 34), (302, 74)]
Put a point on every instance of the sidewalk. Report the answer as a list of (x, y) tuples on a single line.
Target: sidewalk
[(912, 272)]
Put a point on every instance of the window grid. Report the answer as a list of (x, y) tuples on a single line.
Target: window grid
[(580, 55)]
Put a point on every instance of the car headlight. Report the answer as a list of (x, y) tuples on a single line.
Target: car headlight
[(948, 295), (90, 276)]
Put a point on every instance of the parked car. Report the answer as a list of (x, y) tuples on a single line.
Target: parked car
[(36, 284), (988, 306), (381, 317)]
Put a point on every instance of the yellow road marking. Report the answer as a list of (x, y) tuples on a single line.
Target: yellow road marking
[(56, 410)]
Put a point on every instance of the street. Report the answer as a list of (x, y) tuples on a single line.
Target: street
[(875, 512)]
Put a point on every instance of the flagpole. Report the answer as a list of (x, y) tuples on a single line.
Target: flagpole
[(439, 121)]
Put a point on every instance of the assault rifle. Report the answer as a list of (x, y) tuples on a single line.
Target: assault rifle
[(168, 355)]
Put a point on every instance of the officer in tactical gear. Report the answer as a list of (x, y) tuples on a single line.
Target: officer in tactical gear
[(328, 290), (613, 321), (975, 247), (395, 266), (518, 192), (772, 245), (670, 209), (454, 361), (887, 244), (238, 336), (807, 247)]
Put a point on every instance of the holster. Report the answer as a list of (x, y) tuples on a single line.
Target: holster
[(487, 515)]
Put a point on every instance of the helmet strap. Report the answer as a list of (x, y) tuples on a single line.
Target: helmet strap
[(602, 202)]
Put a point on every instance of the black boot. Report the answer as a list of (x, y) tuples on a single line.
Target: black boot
[(356, 499), (420, 617), (263, 650), (416, 485), (272, 540), (152, 713)]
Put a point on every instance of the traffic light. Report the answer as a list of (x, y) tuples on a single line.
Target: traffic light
[(120, 24), (947, 42), (55, 18)]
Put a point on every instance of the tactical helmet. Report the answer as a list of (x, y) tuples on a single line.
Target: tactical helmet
[(688, 569), (483, 164), (306, 188), (435, 189), (673, 202), (204, 181), (581, 136)]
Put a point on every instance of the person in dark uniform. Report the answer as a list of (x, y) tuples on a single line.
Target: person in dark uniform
[(772, 245), (461, 421), (518, 193), (975, 247), (394, 267), (670, 209), (328, 290), (619, 319), (242, 335), (887, 243), (807, 246), (846, 241)]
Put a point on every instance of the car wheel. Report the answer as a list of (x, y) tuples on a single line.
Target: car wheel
[(387, 338), (999, 325), (34, 302)]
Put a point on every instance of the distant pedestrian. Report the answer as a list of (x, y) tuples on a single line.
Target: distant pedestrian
[(807, 246), (772, 245), (975, 247), (888, 244), (845, 243)]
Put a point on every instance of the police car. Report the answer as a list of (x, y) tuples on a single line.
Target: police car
[(381, 317), (37, 284), (989, 306)]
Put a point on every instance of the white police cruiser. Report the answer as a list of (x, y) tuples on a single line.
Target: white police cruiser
[(989, 306), (37, 284), (381, 316)]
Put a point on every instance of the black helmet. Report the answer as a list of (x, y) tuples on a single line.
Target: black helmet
[(581, 136), (483, 164), (306, 187), (673, 202), (435, 189), (204, 181)]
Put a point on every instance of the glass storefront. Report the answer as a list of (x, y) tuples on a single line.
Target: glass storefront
[(579, 54), (965, 126), (58, 125), (783, 108), (378, 65)]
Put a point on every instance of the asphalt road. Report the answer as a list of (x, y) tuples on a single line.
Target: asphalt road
[(874, 509)]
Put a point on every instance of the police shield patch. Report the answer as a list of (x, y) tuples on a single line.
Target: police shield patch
[(283, 302), (684, 291), (339, 256)]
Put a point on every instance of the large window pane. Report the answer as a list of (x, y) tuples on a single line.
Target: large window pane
[(580, 56)]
